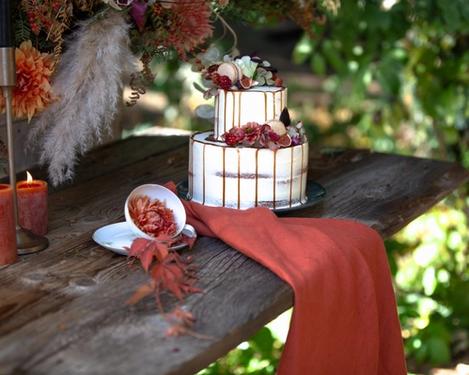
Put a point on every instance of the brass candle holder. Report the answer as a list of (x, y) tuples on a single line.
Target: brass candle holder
[(26, 241)]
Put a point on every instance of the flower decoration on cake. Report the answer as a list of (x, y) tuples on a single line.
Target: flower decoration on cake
[(233, 73), (273, 135)]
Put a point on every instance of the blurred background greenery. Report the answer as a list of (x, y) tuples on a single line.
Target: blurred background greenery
[(389, 75)]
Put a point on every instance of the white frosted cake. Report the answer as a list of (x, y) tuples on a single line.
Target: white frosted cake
[(255, 156), (234, 108), (243, 177)]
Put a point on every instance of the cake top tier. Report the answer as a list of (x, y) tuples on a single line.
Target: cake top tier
[(258, 89), (235, 73), (234, 108)]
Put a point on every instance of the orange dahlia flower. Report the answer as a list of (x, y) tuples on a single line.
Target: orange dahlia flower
[(33, 91)]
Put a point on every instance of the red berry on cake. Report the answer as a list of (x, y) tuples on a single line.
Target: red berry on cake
[(224, 82), (230, 139)]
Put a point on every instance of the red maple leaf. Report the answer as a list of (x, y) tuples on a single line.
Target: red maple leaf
[(137, 247), (170, 273)]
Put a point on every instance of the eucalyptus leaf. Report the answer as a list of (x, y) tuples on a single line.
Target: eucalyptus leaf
[(199, 87)]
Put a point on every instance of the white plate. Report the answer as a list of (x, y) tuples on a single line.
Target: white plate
[(116, 237)]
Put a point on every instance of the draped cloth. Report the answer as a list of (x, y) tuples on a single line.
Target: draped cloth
[(344, 318)]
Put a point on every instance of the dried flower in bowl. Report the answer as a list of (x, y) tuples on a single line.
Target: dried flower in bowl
[(151, 209), (152, 216)]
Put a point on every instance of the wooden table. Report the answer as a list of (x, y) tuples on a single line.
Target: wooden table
[(63, 311)]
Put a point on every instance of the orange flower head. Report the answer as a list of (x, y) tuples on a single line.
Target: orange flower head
[(188, 24), (33, 92)]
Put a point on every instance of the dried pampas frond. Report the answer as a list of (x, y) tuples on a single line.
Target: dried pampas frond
[(88, 84)]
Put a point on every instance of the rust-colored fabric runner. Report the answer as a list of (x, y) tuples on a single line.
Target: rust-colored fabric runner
[(344, 318)]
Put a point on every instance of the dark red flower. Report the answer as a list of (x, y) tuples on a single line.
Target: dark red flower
[(234, 137), (212, 68), (215, 77), (252, 132), (225, 83), (239, 132), (274, 137), (230, 139), (268, 138)]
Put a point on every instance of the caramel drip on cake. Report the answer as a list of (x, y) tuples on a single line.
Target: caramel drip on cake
[(217, 116), (275, 176), (281, 100), (203, 173), (273, 95), (191, 170), (291, 176), (301, 174), (265, 106), (233, 112), (239, 178), (225, 96), (224, 175), (257, 175), (239, 110)]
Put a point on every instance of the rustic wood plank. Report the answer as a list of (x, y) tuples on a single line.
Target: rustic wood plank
[(112, 157), (383, 191), (63, 310)]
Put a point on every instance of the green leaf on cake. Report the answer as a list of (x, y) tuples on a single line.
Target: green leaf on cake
[(199, 87)]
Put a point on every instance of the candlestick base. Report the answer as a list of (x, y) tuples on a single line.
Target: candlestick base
[(29, 243)]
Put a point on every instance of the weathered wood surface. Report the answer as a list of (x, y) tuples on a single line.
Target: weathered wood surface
[(63, 310)]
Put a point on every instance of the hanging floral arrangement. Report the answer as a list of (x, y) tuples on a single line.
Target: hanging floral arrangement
[(73, 58)]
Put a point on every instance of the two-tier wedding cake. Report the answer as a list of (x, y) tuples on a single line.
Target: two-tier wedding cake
[(255, 156)]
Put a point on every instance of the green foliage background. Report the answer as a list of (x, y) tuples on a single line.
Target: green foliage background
[(396, 78)]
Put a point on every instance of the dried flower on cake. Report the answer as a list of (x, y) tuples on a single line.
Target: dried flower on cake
[(234, 136), (224, 82), (268, 138), (152, 216), (265, 78), (273, 135), (252, 132), (241, 72), (248, 67), (296, 133)]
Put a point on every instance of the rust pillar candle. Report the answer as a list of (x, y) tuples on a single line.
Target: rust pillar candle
[(7, 226), (32, 205)]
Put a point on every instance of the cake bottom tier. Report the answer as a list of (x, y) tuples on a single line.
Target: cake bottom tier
[(244, 177)]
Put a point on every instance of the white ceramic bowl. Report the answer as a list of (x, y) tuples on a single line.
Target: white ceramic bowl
[(164, 195)]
